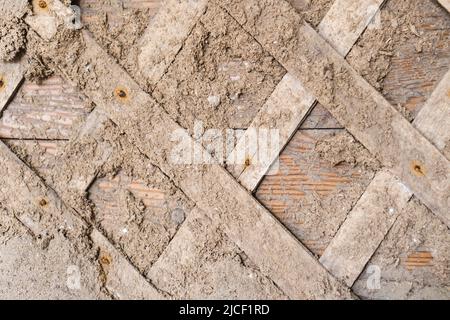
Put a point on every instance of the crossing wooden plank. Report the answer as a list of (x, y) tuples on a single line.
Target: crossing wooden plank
[(290, 101), (165, 36), (346, 258), (209, 185), (283, 112), (33, 195), (11, 76), (351, 100), (346, 21), (433, 120), (365, 227)]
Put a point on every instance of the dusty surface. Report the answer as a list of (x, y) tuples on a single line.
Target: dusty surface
[(54, 242), (119, 178), (414, 34), (313, 11), (201, 262), (325, 175), (120, 37), (221, 76), (404, 273), (13, 34)]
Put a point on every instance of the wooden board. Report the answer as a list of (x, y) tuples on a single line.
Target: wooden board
[(351, 99), (304, 175), (32, 193), (433, 119), (346, 21)]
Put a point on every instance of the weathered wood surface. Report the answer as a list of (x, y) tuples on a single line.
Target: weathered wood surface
[(304, 176), (32, 195), (433, 120), (352, 101), (50, 111), (11, 76), (138, 106), (161, 42), (283, 111), (345, 22), (401, 71), (445, 4), (290, 101), (365, 228), (236, 211)]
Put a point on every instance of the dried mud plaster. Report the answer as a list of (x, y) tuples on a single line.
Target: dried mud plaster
[(149, 127), (343, 148), (415, 231), (121, 39), (221, 76), (316, 218), (55, 239), (203, 263), (313, 11), (13, 33), (352, 101)]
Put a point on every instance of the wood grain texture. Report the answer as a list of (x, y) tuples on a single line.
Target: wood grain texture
[(48, 110), (292, 108), (304, 175), (283, 112), (433, 120), (365, 228), (32, 193), (415, 71), (236, 211), (352, 101)]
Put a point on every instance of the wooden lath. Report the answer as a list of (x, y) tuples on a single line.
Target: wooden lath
[(245, 221)]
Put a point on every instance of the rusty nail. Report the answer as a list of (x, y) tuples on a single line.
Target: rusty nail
[(42, 4)]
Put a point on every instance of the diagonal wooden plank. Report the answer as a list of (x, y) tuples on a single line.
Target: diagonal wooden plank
[(346, 258), (351, 100), (284, 110), (291, 102), (433, 119), (11, 77), (33, 195), (165, 36), (246, 222), (445, 4), (346, 21)]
